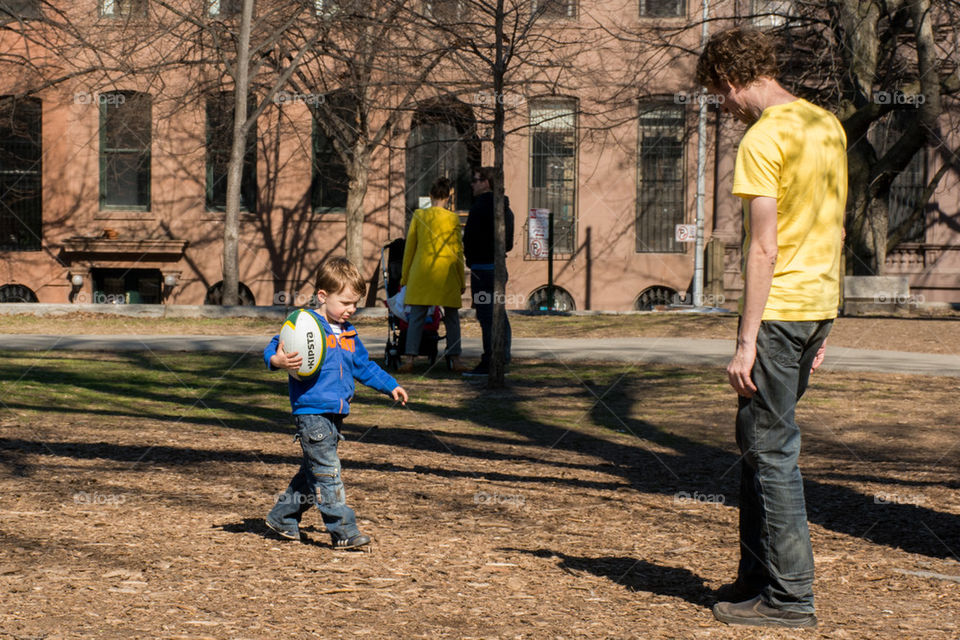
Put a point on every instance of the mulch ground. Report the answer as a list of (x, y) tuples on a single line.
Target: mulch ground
[(585, 502)]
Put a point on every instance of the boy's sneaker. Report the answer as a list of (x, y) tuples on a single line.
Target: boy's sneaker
[(280, 530), (354, 541)]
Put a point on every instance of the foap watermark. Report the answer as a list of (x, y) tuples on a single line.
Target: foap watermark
[(99, 297), (113, 99), (514, 501), (509, 299), (685, 497), (484, 98), (100, 499), (294, 299), (706, 299), (312, 99), (899, 299), (899, 98), (698, 98), (896, 498)]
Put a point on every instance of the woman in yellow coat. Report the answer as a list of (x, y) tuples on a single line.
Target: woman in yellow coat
[(433, 273)]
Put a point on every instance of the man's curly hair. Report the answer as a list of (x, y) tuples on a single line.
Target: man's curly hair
[(736, 57)]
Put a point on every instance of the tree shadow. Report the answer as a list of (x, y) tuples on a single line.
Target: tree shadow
[(635, 575)]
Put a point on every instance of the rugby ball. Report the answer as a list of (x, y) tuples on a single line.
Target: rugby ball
[(303, 333)]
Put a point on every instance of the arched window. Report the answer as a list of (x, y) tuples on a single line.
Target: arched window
[(215, 295), (443, 142)]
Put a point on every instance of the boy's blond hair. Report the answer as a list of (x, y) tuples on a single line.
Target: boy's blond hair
[(336, 274)]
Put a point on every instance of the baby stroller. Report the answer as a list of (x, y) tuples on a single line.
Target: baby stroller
[(391, 259)]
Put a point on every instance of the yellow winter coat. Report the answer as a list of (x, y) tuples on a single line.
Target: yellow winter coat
[(433, 259)]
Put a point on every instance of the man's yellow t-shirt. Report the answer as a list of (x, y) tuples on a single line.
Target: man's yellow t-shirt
[(797, 153)]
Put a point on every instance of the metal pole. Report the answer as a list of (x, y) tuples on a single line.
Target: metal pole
[(701, 175), (550, 261)]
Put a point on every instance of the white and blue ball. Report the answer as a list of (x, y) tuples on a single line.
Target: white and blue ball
[(304, 334)]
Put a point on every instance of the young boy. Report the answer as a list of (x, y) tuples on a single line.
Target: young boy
[(320, 404)]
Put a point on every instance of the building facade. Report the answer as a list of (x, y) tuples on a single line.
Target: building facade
[(114, 192)]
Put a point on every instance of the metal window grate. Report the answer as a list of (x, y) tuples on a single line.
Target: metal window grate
[(553, 168), (660, 178), (21, 201)]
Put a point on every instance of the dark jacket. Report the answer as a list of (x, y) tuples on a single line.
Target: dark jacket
[(478, 232)]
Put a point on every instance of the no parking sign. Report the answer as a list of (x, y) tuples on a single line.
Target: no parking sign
[(686, 233)]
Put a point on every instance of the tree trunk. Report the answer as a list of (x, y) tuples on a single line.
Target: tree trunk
[(498, 339), (231, 221), (358, 171)]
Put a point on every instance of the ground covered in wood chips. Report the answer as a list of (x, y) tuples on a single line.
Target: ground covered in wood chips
[(591, 501)]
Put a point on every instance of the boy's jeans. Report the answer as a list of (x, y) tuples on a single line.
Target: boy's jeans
[(318, 480), (775, 551)]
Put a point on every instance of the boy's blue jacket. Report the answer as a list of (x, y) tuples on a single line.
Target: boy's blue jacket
[(331, 390)]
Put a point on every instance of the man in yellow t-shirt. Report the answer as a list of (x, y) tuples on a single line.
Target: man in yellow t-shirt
[(791, 172)]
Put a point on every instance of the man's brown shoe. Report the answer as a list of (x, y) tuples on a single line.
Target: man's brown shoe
[(755, 612)]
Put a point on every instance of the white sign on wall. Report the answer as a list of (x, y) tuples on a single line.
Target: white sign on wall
[(686, 233), (538, 233)]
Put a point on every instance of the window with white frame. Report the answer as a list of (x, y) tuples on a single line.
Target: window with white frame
[(123, 8), (555, 8), (662, 8), (446, 11), (770, 13), (553, 167), (224, 8), (660, 178)]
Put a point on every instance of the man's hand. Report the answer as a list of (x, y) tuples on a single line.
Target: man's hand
[(740, 368), (289, 361), (818, 359), (399, 395)]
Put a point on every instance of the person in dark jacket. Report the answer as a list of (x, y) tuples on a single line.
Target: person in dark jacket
[(478, 234)]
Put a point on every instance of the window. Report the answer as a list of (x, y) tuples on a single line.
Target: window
[(220, 108), (330, 182), (556, 8), (770, 13), (662, 8), (443, 141), (224, 8), (21, 224), (660, 178), (553, 167), (327, 8), (907, 188), (445, 10), (19, 10), (123, 8), (125, 136)]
